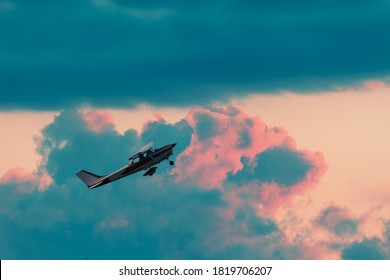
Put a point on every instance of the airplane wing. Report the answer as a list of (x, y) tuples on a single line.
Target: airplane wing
[(150, 171)]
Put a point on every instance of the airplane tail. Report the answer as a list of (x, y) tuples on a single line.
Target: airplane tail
[(88, 178)]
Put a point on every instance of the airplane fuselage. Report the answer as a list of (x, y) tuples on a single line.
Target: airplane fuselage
[(138, 163)]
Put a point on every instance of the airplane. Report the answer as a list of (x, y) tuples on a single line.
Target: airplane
[(144, 159)]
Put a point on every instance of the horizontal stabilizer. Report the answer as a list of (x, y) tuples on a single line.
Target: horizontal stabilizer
[(89, 178), (150, 171)]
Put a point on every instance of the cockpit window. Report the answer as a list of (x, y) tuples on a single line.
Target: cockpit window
[(140, 156)]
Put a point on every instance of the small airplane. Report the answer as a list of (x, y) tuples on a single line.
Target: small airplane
[(144, 159)]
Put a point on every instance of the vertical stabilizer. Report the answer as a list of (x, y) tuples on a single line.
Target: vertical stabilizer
[(89, 178)]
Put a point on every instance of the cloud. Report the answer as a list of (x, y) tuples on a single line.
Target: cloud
[(132, 221), (236, 200), (337, 233), (338, 221), (120, 53), (279, 165), (249, 161), (374, 223), (26, 179), (137, 217), (153, 218), (98, 121), (367, 249), (220, 139), (375, 242), (70, 144), (161, 133)]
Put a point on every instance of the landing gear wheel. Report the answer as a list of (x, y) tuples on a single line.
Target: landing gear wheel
[(171, 162)]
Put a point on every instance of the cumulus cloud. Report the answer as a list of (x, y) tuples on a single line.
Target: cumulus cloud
[(118, 53), (70, 143), (135, 218), (278, 165), (240, 154), (26, 179), (338, 221), (374, 229), (219, 142), (337, 233), (161, 133), (215, 204), (367, 249), (98, 121), (373, 241)]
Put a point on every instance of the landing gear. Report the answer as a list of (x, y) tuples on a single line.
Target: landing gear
[(171, 162)]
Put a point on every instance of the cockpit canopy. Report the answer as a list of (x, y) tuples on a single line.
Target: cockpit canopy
[(139, 157), (144, 152)]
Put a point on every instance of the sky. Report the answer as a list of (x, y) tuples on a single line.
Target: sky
[(280, 112)]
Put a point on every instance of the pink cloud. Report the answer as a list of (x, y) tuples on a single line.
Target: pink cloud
[(373, 222), (337, 221), (319, 251), (374, 85), (267, 198), (20, 176), (208, 160), (217, 151), (98, 121), (233, 134), (157, 117), (273, 195), (336, 227)]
